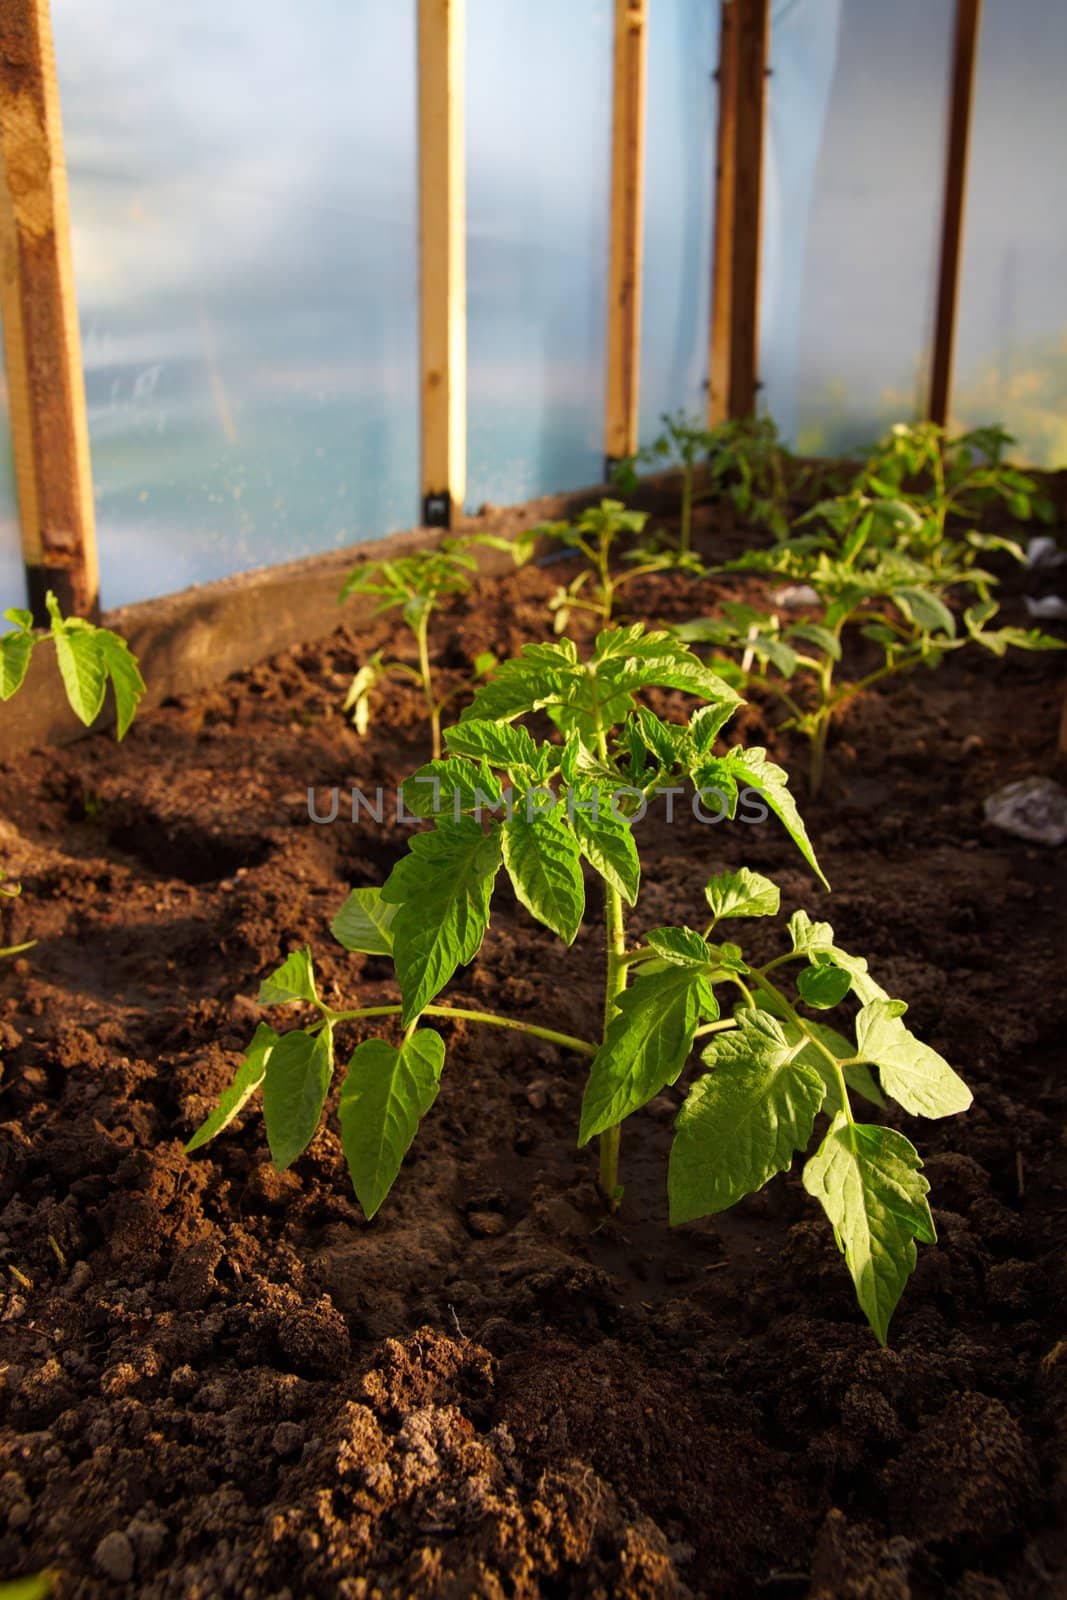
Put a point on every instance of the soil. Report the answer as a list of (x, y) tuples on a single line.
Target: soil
[(218, 1381)]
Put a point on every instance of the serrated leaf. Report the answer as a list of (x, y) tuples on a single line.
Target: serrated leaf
[(126, 681), (246, 1080), (299, 1069), (293, 980), (742, 1123), (752, 767), (925, 609), (364, 923), (442, 887), (807, 935), (742, 894), (82, 669), (814, 633), (681, 946), (913, 1074), (385, 1095), (543, 861), (867, 1181), (15, 652), (605, 840), (443, 788), (823, 985), (645, 1046), (500, 743)]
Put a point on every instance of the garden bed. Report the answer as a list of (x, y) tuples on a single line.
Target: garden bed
[(217, 1381)]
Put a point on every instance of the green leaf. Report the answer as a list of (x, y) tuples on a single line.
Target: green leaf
[(544, 864), (246, 1081), (681, 946), (293, 980), (438, 788), (442, 887), (385, 1095), (867, 1181), (15, 652), (82, 669), (605, 840), (742, 1123), (914, 1075), (742, 894), (39, 1587), (823, 985), (364, 923), (645, 1046), (299, 1069), (753, 768), (807, 935), (925, 609), (814, 633), (126, 681), (499, 743)]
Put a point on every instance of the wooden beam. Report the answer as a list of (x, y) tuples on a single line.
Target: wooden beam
[(41, 342), (734, 354), (627, 223), (964, 62), (442, 257)]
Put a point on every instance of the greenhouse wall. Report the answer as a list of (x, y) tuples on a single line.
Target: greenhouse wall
[(244, 214)]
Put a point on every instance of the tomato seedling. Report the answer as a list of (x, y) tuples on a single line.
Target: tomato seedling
[(504, 801), (415, 585), (595, 535), (88, 657)]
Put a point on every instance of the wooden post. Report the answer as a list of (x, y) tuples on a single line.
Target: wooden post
[(41, 342), (734, 354), (627, 222), (442, 258), (965, 57)]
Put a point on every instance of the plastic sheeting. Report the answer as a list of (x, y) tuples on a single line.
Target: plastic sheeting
[(681, 117), (538, 159), (242, 183), (1011, 352), (854, 183)]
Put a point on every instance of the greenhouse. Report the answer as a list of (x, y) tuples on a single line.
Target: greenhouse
[(533, 796)]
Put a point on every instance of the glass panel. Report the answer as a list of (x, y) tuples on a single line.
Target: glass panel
[(539, 159), (12, 579), (243, 200), (680, 129), (1011, 356), (857, 122)]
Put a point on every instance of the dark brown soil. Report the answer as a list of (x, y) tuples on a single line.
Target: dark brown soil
[(220, 1382)]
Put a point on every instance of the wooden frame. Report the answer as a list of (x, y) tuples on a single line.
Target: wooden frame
[(964, 63), (442, 259), (734, 354), (627, 225), (42, 345)]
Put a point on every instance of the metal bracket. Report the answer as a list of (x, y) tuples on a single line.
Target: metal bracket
[(437, 510)]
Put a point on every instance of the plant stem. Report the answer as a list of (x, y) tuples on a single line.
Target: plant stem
[(615, 984), (566, 1040), (433, 709), (687, 508)]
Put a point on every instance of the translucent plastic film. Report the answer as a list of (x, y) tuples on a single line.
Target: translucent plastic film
[(538, 195), (1011, 353), (681, 112), (854, 183), (242, 186)]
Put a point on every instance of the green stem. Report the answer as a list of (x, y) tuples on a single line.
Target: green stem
[(432, 707), (566, 1040), (687, 508), (614, 986)]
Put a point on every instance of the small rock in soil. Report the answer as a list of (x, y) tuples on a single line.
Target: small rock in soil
[(1032, 808), (486, 1224), (114, 1557)]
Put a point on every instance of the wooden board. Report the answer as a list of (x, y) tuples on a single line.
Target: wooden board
[(442, 259), (734, 353), (964, 62), (41, 342), (627, 223)]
